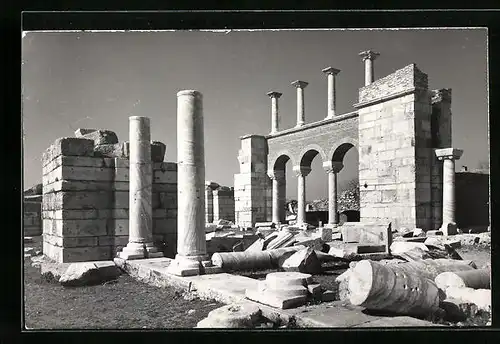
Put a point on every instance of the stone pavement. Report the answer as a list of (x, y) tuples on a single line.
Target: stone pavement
[(228, 288)]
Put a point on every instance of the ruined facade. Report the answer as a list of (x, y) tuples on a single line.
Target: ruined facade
[(86, 199), (219, 202), (396, 127)]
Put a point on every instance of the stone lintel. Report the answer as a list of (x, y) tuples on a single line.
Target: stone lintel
[(331, 70), (333, 166), (369, 54), (299, 84), (449, 153), (301, 170), (274, 94)]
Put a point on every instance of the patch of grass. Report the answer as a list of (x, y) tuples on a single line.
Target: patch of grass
[(122, 304)]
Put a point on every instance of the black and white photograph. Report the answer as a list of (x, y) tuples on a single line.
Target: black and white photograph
[(256, 179)]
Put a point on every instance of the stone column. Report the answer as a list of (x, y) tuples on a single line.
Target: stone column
[(332, 168), (274, 111), (331, 72), (368, 57), (140, 242), (449, 155), (191, 242), (279, 179), (300, 85), (301, 172)]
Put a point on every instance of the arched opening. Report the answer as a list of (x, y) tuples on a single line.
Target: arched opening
[(345, 164), (279, 189)]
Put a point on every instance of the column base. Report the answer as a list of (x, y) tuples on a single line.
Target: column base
[(449, 228), (191, 266), (139, 251)]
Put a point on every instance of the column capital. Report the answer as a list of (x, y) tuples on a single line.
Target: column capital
[(369, 55), (278, 175), (331, 70), (301, 171), (448, 153), (299, 84), (274, 94), (333, 166)]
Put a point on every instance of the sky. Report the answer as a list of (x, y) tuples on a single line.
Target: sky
[(74, 80)]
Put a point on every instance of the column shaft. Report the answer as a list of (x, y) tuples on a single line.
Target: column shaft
[(191, 175), (331, 95), (300, 107), (332, 198), (301, 199), (368, 71), (274, 115), (276, 200), (448, 191)]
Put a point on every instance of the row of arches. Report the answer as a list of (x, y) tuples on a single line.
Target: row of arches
[(332, 163)]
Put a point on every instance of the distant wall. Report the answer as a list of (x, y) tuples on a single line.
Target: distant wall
[(32, 217), (472, 199)]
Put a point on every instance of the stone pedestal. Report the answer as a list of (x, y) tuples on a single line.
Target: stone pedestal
[(191, 242), (449, 155), (301, 172), (274, 111), (279, 180), (332, 168), (331, 73), (300, 85), (368, 57), (140, 244)]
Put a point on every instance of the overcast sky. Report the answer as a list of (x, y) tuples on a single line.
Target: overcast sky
[(97, 80)]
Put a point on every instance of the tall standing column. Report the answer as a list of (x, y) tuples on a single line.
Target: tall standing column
[(301, 173), (191, 241), (140, 243), (300, 85), (368, 57), (274, 111), (331, 73), (449, 155), (332, 168), (279, 179)]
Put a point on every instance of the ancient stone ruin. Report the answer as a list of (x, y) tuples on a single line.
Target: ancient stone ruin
[(164, 224)]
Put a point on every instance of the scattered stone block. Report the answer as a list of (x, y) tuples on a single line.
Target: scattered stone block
[(413, 254), (398, 247), (236, 315), (158, 150), (418, 232), (275, 300), (239, 247), (277, 242), (433, 242), (258, 245), (271, 225), (89, 273), (480, 297), (449, 229), (370, 248), (304, 261), (453, 243), (101, 137), (81, 131), (69, 146), (414, 239), (405, 232), (315, 289), (328, 296), (325, 234), (457, 310), (433, 233), (316, 243), (114, 150)]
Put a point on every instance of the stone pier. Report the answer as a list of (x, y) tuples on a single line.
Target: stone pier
[(140, 243), (300, 85), (301, 172), (332, 169), (331, 73), (191, 242), (449, 155), (279, 189), (368, 57), (274, 111)]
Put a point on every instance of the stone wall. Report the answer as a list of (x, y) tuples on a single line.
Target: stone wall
[(395, 149), (252, 186), (32, 215), (472, 194), (223, 203), (86, 200)]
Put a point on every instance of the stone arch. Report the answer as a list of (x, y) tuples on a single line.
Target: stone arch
[(280, 161), (340, 148), (307, 155)]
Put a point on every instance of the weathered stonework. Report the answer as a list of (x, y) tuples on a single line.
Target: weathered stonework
[(86, 201)]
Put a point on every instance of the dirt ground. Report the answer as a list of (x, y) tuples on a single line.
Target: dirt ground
[(123, 304)]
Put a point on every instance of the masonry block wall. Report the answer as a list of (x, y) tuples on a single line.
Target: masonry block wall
[(86, 201), (395, 149), (441, 138), (223, 203), (472, 192), (252, 186), (32, 215)]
